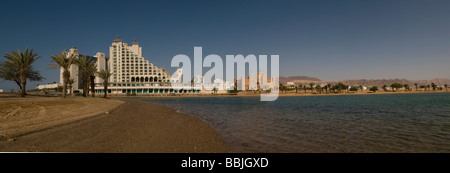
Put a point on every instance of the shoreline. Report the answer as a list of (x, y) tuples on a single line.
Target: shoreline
[(281, 94), (132, 127)]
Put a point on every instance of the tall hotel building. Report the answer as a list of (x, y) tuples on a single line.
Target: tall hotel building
[(131, 72)]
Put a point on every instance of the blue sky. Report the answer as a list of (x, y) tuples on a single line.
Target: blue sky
[(330, 40)]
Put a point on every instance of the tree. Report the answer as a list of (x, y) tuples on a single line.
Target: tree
[(281, 87), (63, 61), (298, 87), (319, 89), (415, 84), (214, 90), (70, 83), (446, 87), (384, 87), (329, 87), (423, 87), (353, 88), (326, 88), (9, 72), (104, 74), (87, 68), (434, 86), (396, 86), (406, 86), (311, 87), (374, 89), (340, 87), (22, 61), (92, 69)]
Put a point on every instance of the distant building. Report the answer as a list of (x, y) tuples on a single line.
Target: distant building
[(241, 83), (48, 86), (1, 90), (290, 83), (252, 83)]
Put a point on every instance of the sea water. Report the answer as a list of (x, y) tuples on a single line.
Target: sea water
[(355, 123)]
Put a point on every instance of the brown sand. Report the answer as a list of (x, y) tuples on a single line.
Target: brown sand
[(132, 127), (19, 116)]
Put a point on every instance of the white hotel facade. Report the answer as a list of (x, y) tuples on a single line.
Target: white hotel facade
[(132, 73)]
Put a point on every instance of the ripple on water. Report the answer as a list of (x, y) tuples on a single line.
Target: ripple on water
[(370, 123)]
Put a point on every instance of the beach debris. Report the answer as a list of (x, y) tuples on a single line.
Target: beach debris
[(107, 113)]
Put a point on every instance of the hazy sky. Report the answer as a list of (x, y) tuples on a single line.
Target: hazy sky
[(330, 40)]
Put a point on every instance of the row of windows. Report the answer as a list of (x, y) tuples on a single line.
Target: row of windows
[(163, 81), (137, 68), (127, 58), (149, 70), (163, 77)]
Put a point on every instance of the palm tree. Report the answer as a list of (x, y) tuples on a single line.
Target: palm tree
[(22, 61), (415, 85), (86, 69), (319, 89), (311, 86), (104, 74), (70, 82), (446, 87), (10, 72), (434, 86), (91, 70), (63, 61)]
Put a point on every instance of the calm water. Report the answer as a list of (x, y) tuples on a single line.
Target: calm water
[(362, 123)]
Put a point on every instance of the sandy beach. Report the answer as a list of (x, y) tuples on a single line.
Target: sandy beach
[(19, 116), (39, 124)]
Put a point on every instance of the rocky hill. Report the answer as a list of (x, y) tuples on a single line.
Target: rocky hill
[(365, 82)]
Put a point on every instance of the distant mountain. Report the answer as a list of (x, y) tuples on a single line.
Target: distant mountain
[(365, 82), (375, 82), (381, 82), (299, 79)]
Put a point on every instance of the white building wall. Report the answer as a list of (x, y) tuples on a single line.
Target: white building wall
[(252, 83), (241, 83), (101, 64)]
